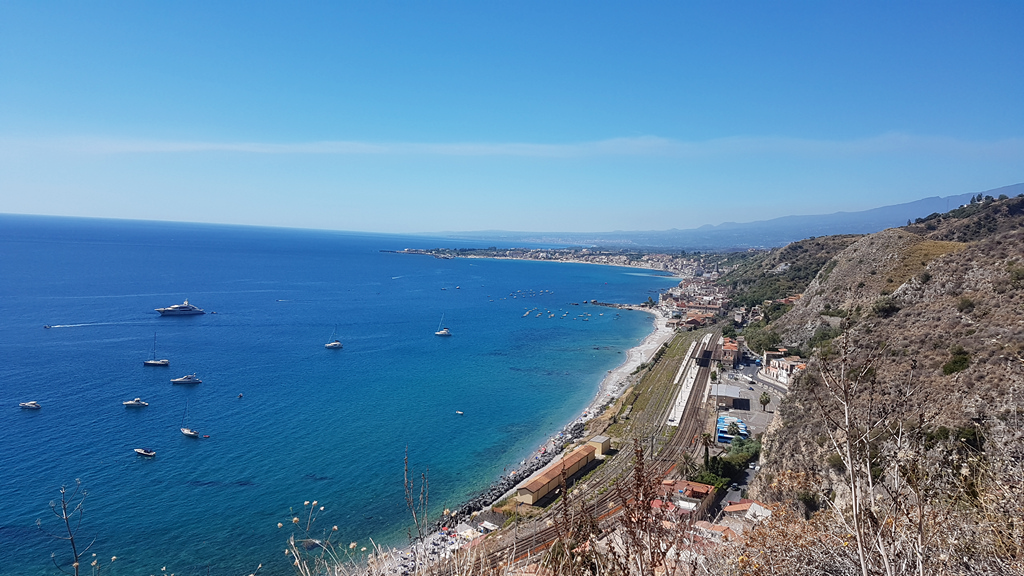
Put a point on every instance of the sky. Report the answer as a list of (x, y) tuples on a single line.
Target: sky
[(415, 117)]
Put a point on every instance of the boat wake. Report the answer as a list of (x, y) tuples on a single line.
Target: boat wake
[(89, 324)]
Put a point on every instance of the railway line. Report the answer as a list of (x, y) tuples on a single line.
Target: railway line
[(663, 447)]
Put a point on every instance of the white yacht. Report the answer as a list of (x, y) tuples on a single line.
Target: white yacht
[(145, 452), (187, 379), (137, 403), (30, 405), (180, 310)]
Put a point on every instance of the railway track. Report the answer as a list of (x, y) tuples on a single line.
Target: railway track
[(663, 447)]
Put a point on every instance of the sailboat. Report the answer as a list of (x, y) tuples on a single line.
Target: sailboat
[(185, 425), (153, 361), (441, 330), (334, 344)]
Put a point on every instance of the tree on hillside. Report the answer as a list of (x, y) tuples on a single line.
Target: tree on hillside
[(765, 400)]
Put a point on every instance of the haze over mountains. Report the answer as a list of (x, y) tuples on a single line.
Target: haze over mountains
[(760, 234)]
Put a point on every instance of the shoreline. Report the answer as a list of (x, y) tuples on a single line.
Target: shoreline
[(443, 539), (611, 387)]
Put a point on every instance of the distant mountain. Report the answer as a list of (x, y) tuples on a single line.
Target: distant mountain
[(764, 233)]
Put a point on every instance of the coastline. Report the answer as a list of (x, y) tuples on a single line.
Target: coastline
[(444, 539), (611, 387)]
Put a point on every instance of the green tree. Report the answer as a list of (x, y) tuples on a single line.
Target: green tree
[(765, 400), (707, 441), (733, 429)]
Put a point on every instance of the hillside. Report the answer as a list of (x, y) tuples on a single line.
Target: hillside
[(914, 399), (782, 271)]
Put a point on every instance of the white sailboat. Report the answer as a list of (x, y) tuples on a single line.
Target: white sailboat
[(185, 425), (334, 344), (153, 361), (441, 329)]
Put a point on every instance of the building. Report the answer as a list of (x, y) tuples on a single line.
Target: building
[(784, 370), (692, 498), (730, 353), (551, 477), (726, 396), (602, 444), (751, 510)]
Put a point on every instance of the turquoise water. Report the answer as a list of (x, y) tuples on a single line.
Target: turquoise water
[(313, 424)]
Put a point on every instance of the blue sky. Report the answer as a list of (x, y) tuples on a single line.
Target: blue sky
[(534, 116)]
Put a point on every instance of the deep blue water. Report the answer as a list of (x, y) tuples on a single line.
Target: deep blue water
[(313, 424)]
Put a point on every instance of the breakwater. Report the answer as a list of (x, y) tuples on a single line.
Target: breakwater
[(500, 487)]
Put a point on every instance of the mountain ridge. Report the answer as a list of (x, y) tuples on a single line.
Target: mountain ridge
[(758, 234)]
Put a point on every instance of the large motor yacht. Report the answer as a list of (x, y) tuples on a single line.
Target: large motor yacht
[(187, 379), (180, 310)]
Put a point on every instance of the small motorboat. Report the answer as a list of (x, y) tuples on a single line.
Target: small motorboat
[(145, 452), (458, 412), (187, 379), (30, 405), (136, 403), (47, 326)]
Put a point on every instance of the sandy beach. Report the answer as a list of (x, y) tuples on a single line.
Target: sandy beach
[(614, 384)]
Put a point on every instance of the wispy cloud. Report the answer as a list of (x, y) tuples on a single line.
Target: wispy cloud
[(652, 146)]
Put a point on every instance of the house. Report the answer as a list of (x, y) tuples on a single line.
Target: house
[(783, 369), (689, 498), (748, 510), (730, 352), (715, 532)]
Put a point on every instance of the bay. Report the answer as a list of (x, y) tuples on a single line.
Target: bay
[(311, 423)]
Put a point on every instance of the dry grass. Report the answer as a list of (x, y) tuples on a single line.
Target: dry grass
[(914, 260)]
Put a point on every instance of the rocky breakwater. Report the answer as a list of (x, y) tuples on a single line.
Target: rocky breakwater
[(544, 456)]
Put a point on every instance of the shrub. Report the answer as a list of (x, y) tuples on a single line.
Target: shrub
[(835, 461), (959, 360), (965, 304), (885, 307)]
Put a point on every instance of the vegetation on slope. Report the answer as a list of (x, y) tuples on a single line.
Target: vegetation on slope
[(783, 271)]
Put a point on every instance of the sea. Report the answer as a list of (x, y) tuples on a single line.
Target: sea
[(283, 420)]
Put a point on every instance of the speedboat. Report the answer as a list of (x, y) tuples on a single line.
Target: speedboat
[(190, 432), (187, 379), (137, 403), (180, 310), (30, 405), (145, 452)]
